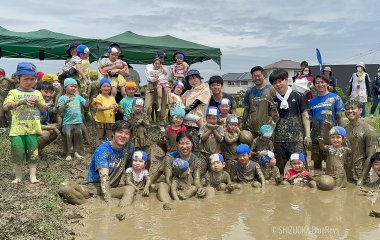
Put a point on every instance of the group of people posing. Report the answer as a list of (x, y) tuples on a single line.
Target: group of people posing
[(205, 145)]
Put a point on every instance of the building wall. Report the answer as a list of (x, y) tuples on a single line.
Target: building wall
[(234, 87)]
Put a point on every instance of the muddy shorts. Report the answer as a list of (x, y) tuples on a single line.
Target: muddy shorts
[(24, 147), (104, 126)]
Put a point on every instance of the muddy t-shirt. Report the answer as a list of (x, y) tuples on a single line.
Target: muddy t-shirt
[(249, 173), (289, 127), (211, 145), (214, 181)]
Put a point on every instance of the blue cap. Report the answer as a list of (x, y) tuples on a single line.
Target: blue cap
[(25, 68), (178, 111), (180, 56), (298, 156), (140, 155), (82, 49), (224, 101), (232, 119), (216, 157), (176, 83), (214, 111), (70, 81), (266, 131), (266, 157), (338, 130), (138, 101), (103, 81), (242, 148), (193, 72), (180, 166)]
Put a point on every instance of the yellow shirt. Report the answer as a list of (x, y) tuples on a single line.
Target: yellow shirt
[(25, 119), (85, 67), (107, 116)]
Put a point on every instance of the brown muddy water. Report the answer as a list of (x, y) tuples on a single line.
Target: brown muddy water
[(278, 212)]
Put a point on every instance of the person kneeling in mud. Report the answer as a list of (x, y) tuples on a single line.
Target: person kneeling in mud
[(217, 177), (248, 171), (268, 166), (182, 186), (337, 156), (106, 169), (136, 177), (297, 174)]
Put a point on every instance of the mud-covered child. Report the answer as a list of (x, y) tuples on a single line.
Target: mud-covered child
[(297, 174), (216, 177), (224, 106), (182, 186), (211, 134), (139, 122), (248, 171), (69, 105), (126, 103), (262, 142), (268, 167), (337, 156), (176, 126), (230, 141), (137, 177), (106, 107), (25, 104)]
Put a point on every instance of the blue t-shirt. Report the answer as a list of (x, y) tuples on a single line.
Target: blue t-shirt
[(329, 102), (126, 105), (104, 157), (72, 113)]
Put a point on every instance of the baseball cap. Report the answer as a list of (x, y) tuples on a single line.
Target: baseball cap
[(81, 48)]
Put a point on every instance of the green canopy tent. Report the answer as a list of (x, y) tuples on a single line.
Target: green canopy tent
[(43, 44), (140, 49)]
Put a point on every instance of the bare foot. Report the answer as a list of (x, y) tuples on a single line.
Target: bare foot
[(17, 180), (78, 156), (34, 180), (68, 158)]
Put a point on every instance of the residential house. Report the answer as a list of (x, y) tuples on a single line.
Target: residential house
[(290, 66), (233, 83)]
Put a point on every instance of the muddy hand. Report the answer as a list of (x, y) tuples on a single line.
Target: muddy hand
[(201, 193), (230, 188), (145, 192)]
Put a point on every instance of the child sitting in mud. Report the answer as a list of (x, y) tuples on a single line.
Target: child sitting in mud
[(337, 156), (139, 123), (106, 107), (25, 103), (262, 142), (216, 177), (248, 171), (69, 105), (211, 134), (231, 139), (268, 167), (137, 177), (126, 103), (182, 186), (224, 106), (297, 174), (174, 128)]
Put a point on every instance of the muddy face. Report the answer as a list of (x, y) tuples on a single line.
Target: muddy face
[(138, 165), (185, 146), (336, 140), (211, 119), (217, 166), (353, 113), (243, 158), (297, 165)]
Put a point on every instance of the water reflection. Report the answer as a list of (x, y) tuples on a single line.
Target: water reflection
[(289, 212)]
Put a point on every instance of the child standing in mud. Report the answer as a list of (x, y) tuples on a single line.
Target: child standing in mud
[(126, 103), (211, 134), (137, 177), (248, 171), (25, 103), (174, 128), (231, 138), (182, 186), (216, 177), (69, 105), (297, 174), (262, 142), (269, 168), (106, 107), (224, 106), (337, 156), (139, 123)]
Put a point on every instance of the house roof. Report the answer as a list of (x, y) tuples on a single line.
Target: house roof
[(237, 76), (284, 64)]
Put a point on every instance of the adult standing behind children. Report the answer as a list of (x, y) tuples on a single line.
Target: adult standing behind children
[(216, 84), (105, 170), (327, 72), (359, 86), (292, 131), (362, 139), (375, 92), (25, 103), (258, 103), (326, 111)]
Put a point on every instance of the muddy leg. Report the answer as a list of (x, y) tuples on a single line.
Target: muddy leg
[(163, 192), (221, 187), (256, 184), (18, 173), (69, 192), (210, 192), (85, 136), (128, 196)]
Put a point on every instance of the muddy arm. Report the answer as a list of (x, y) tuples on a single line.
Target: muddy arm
[(168, 171), (218, 134), (231, 139), (371, 145), (322, 146), (145, 192), (197, 178), (245, 117), (173, 190), (260, 175), (306, 126), (105, 184), (339, 118), (129, 182), (204, 136)]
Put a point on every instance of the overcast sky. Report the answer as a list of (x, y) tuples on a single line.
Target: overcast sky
[(248, 32)]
